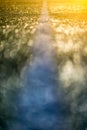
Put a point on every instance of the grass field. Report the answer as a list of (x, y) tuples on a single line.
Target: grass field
[(43, 65)]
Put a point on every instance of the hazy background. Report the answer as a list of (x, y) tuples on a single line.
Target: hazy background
[(43, 71)]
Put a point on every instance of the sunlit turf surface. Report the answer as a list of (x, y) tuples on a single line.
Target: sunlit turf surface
[(28, 76), (18, 23), (69, 22)]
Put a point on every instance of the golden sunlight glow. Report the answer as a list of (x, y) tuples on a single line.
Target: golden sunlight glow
[(71, 3)]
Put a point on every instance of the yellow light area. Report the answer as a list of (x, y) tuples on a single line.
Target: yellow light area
[(81, 2), (71, 1), (75, 3)]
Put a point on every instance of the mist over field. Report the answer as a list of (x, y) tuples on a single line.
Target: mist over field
[(43, 65)]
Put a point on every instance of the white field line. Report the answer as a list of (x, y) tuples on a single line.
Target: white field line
[(41, 90), (43, 50)]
